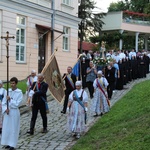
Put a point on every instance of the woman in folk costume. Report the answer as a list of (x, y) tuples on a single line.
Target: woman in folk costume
[(11, 115), (101, 102), (30, 80), (76, 109), (2, 92)]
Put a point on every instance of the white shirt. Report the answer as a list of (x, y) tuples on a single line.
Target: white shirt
[(11, 121), (31, 80)]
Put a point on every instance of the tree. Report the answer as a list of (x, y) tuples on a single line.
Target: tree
[(139, 5), (119, 6), (147, 9), (135, 7), (91, 22)]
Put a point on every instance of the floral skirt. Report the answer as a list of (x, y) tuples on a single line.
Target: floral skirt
[(76, 118)]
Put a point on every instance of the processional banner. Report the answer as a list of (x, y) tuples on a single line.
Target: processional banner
[(53, 79)]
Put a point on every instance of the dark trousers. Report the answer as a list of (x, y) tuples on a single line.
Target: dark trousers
[(40, 105), (115, 83), (90, 88), (67, 93), (110, 89)]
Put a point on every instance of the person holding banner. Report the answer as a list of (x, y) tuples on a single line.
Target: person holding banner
[(70, 80), (11, 115), (100, 102), (76, 109), (39, 102)]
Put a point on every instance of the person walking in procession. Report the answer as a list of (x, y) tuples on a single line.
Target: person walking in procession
[(30, 80), (110, 76), (70, 80), (91, 76), (2, 93), (39, 102), (100, 101), (11, 115), (77, 108)]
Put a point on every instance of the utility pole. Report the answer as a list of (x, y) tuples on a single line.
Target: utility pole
[(52, 25), (82, 23)]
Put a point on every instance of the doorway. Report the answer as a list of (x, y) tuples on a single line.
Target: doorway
[(41, 52)]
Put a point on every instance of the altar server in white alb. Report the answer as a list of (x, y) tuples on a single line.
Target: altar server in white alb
[(76, 109), (11, 115), (100, 102), (2, 93)]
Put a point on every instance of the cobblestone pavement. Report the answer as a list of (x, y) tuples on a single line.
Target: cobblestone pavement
[(57, 137)]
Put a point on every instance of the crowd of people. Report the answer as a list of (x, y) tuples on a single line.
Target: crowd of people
[(95, 84), (122, 68)]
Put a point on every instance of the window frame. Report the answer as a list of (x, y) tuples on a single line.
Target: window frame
[(65, 2), (66, 36), (21, 26)]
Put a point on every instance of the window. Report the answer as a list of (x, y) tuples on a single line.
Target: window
[(66, 39), (67, 2), (20, 39)]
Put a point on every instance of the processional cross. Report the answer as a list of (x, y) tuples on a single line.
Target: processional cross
[(7, 37)]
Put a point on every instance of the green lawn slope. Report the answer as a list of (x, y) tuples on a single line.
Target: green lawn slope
[(125, 127)]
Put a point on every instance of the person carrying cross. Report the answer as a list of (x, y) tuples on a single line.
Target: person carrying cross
[(11, 115)]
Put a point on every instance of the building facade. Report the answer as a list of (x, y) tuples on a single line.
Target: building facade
[(39, 27), (133, 24)]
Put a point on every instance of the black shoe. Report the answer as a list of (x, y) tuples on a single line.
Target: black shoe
[(7, 147), (63, 112), (44, 131), (95, 115), (30, 132), (11, 148), (0, 130), (101, 114)]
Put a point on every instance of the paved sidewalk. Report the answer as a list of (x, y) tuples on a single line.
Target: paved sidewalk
[(57, 138)]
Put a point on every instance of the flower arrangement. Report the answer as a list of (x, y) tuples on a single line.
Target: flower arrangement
[(98, 61), (136, 15)]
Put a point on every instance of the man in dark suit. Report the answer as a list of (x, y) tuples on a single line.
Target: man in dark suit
[(110, 76), (70, 80), (39, 102)]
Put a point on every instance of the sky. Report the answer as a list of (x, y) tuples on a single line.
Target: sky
[(104, 4)]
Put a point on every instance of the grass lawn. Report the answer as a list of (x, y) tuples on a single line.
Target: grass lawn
[(125, 127)]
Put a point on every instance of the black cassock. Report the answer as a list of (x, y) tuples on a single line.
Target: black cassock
[(146, 58), (120, 82), (84, 66), (134, 68), (141, 68)]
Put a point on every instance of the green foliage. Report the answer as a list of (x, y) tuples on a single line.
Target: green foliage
[(21, 85), (141, 6), (91, 22), (125, 127), (112, 40), (119, 6), (147, 9), (138, 5)]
